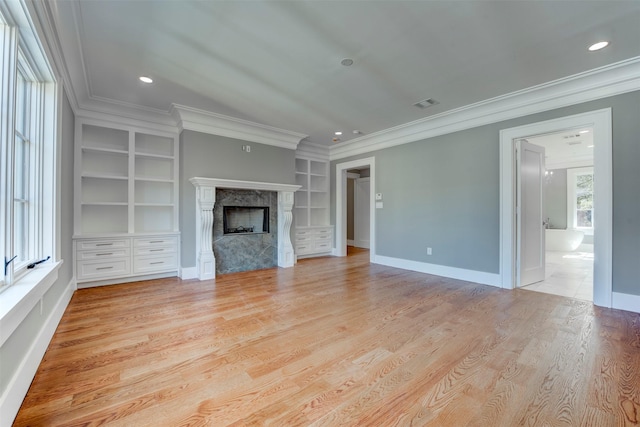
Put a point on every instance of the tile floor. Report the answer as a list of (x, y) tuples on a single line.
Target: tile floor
[(569, 274)]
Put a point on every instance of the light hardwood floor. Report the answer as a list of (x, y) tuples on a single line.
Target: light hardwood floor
[(335, 342)]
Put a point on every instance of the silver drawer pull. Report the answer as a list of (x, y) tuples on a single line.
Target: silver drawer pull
[(104, 244), (104, 268), (156, 250), (156, 241), (159, 262), (106, 253)]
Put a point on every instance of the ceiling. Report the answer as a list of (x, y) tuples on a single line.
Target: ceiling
[(278, 63), (571, 148)]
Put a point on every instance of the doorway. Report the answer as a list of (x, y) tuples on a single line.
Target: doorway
[(600, 122), (566, 211), (358, 208), (341, 204)]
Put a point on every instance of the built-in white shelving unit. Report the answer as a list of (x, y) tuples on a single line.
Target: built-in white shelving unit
[(126, 191), (314, 234)]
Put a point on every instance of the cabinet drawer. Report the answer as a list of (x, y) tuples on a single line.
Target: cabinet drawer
[(151, 250), (322, 246), (105, 254), (153, 264), (84, 245), (304, 249), (303, 239), (157, 241), (323, 234), (300, 233), (98, 270)]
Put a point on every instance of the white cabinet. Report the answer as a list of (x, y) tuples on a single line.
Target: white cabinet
[(313, 241), (126, 191), (313, 234)]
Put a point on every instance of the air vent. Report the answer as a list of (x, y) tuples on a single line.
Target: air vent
[(426, 103)]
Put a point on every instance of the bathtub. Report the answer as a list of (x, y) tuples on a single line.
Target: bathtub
[(563, 240)]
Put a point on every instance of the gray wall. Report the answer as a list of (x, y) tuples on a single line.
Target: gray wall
[(556, 198), (17, 346), (213, 156), (442, 192)]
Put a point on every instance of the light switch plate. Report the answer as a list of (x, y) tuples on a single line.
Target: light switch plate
[(379, 205)]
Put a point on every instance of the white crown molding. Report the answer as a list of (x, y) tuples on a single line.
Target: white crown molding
[(217, 124), (312, 151), (244, 185), (602, 82)]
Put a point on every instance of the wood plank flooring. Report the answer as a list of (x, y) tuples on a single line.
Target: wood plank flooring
[(335, 342)]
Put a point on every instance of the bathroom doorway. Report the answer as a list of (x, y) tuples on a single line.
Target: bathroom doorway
[(600, 122), (568, 208)]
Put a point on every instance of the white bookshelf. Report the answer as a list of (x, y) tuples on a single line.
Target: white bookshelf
[(314, 234), (126, 187)]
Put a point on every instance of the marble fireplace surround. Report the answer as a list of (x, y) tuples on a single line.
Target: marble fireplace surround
[(206, 199)]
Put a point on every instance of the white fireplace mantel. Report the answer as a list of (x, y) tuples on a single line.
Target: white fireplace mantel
[(205, 200)]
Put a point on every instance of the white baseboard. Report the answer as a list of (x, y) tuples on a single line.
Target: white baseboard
[(189, 273), (626, 302), (21, 381), (481, 277), (350, 242)]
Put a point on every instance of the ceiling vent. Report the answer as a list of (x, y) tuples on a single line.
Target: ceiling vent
[(426, 103)]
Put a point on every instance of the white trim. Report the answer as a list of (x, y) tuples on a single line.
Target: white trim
[(18, 385), (613, 79), (601, 122), (128, 279), (481, 277), (244, 185), (626, 302), (217, 124), (351, 242), (307, 150), (341, 205), (18, 300), (188, 273)]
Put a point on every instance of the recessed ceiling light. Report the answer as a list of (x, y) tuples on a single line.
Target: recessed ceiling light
[(145, 79), (347, 62), (338, 132), (584, 131), (598, 46)]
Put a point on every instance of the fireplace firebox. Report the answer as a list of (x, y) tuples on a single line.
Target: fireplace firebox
[(245, 219)]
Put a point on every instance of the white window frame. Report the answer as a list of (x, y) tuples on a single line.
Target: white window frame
[(21, 52), (572, 204)]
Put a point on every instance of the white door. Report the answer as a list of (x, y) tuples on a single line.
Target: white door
[(361, 213), (530, 212)]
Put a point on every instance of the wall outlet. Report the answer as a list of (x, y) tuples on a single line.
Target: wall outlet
[(428, 251), (246, 148)]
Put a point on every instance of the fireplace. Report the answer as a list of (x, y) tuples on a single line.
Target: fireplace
[(209, 225), (245, 219)]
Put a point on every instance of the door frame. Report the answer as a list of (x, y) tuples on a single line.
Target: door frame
[(357, 218), (341, 205), (600, 121)]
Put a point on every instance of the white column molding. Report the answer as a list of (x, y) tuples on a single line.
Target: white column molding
[(205, 200), (285, 218)]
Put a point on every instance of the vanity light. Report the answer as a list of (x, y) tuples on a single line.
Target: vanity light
[(598, 46), (145, 79)]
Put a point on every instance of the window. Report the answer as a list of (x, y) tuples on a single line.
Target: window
[(27, 148), (580, 199)]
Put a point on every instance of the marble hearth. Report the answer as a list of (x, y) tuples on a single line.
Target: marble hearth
[(278, 249)]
